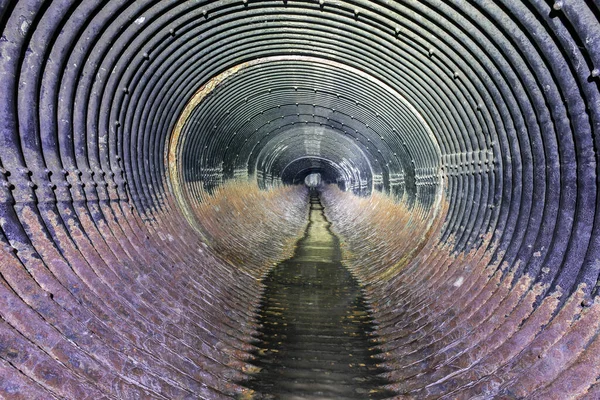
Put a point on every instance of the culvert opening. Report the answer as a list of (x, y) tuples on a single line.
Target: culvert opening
[(313, 180), (460, 139)]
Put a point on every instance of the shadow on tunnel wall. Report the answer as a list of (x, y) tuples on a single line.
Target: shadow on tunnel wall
[(136, 222)]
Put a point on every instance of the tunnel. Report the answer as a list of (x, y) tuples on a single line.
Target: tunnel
[(158, 159)]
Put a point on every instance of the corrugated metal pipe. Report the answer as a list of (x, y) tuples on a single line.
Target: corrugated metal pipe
[(153, 158)]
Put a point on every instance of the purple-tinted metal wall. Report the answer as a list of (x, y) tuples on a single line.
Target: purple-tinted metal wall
[(108, 290)]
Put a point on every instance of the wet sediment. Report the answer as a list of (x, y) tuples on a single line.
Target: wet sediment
[(316, 331)]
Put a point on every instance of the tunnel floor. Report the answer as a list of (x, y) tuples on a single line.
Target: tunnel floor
[(316, 329)]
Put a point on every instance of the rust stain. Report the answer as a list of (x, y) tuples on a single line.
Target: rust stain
[(455, 325)]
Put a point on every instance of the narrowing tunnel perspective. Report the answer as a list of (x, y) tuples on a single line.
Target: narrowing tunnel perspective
[(318, 199)]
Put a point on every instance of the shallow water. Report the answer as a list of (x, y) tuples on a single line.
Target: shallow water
[(316, 330)]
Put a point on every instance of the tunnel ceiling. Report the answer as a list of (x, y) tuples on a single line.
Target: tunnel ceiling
[(116, 118), (506, 91)]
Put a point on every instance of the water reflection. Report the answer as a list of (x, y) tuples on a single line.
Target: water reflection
[(314, 343)]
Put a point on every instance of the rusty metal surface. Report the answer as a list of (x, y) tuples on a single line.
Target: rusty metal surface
[(157, 317), (112, 286), (455, 325)]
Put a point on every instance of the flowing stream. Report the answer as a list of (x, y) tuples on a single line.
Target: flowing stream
[(316, 329)]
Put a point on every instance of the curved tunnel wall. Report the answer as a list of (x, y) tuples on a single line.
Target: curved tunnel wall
[(93, 91), (284, 108)]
